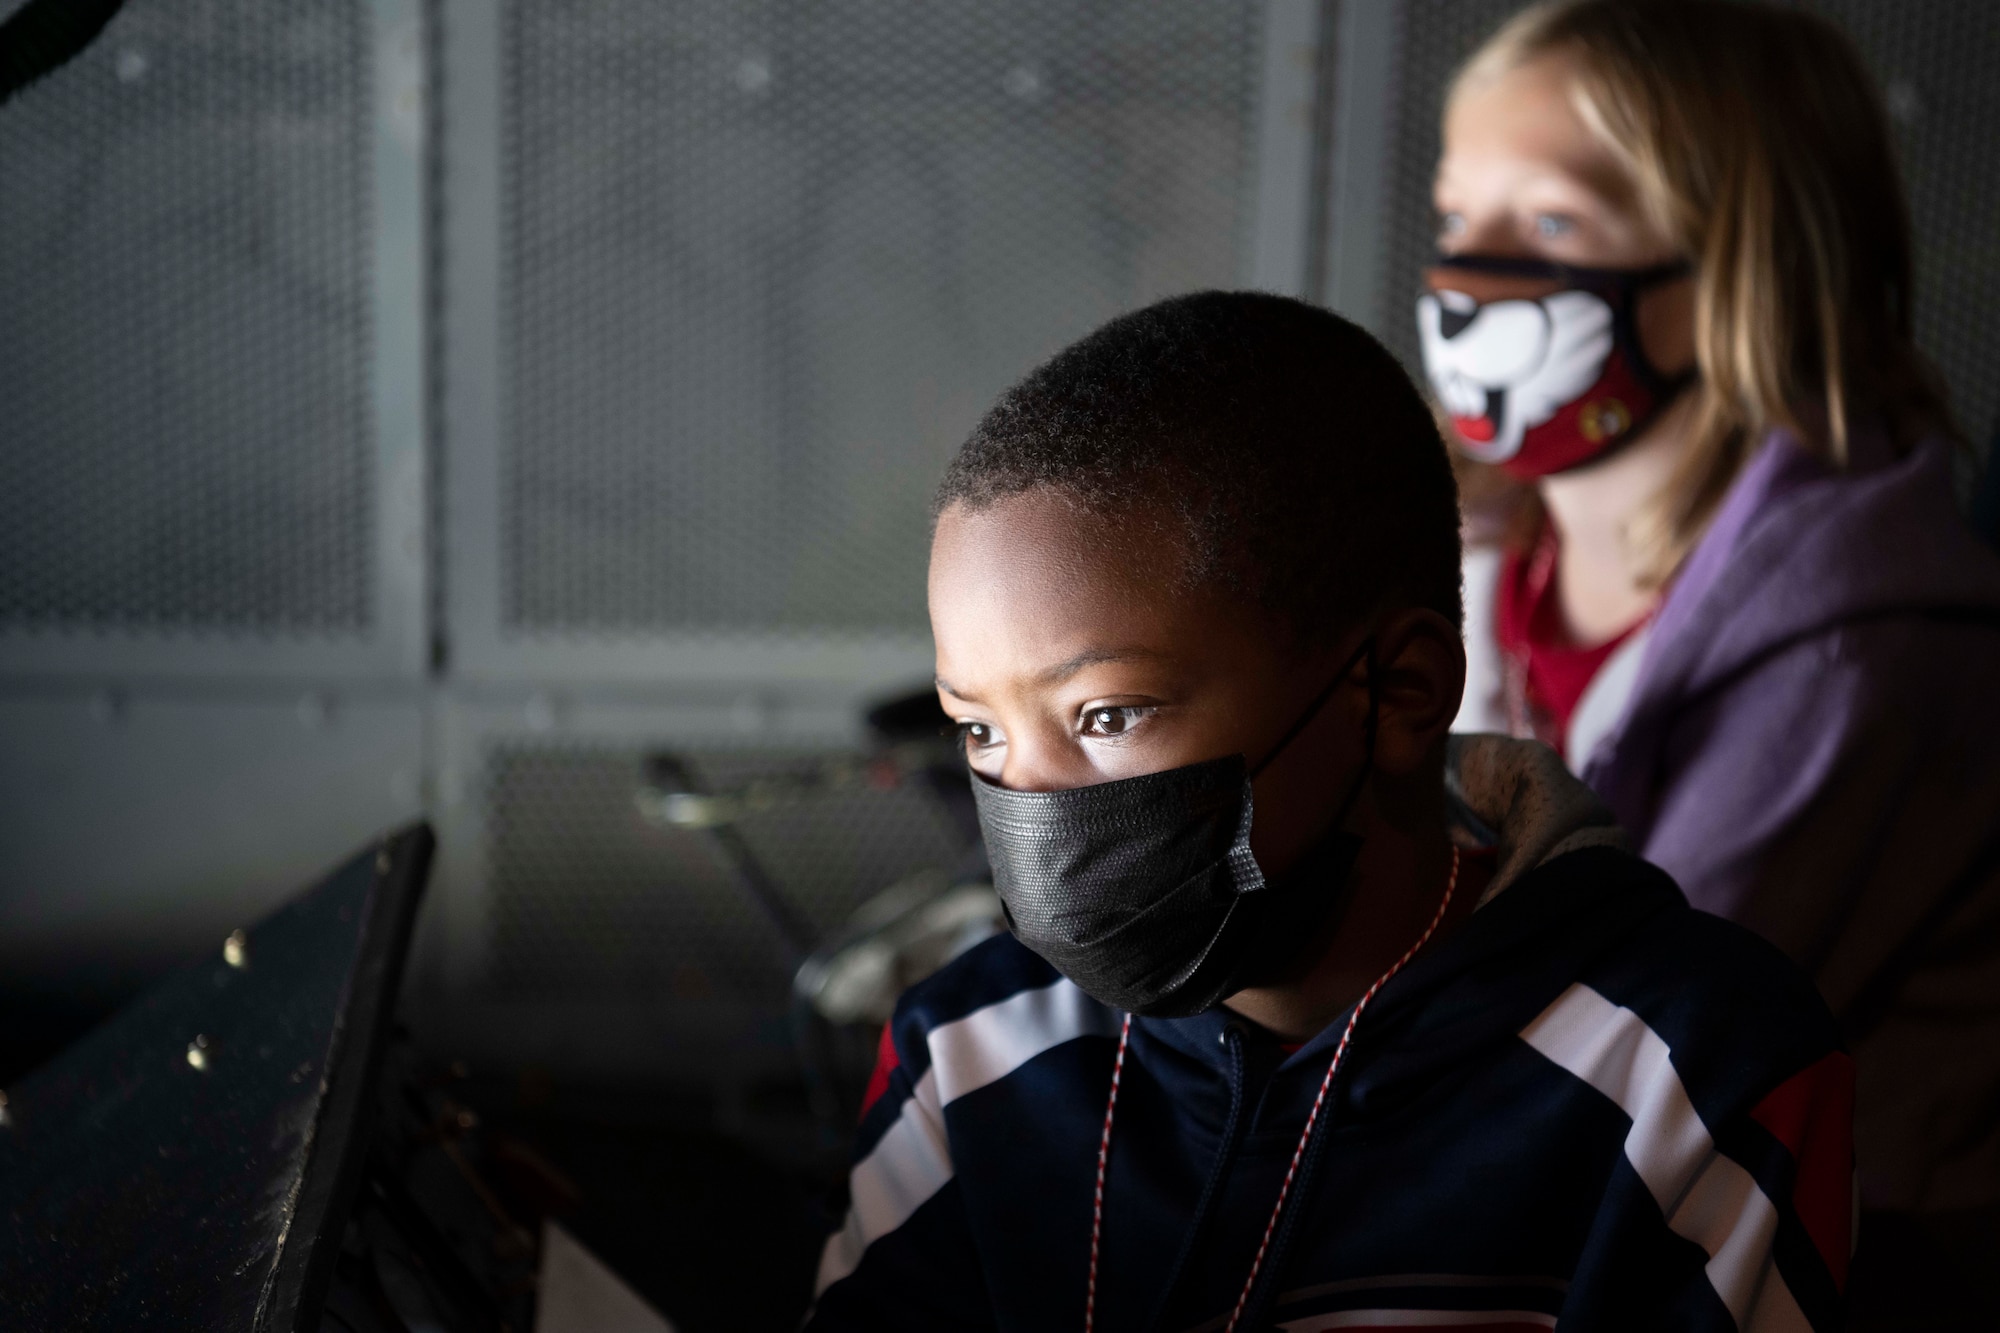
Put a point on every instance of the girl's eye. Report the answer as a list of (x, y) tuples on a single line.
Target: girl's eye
[(1112, 721), (978, 735), (1553, 226)]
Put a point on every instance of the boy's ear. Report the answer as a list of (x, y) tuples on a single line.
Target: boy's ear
[(1420, 666)]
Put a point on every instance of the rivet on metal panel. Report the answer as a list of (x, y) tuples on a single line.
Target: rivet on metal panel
[(315, 711), (539, 712), (753, 75), (1904, 103), (236, 949), (753, 714), (1023, 82), (197, 1052)]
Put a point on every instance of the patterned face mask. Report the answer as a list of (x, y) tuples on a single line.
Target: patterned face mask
[(1539, 364)]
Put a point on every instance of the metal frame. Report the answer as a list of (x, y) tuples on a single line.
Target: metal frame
[(1367, 41), (1288, 96), (396, 644)]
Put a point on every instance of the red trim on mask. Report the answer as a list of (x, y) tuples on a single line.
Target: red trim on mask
[(1578, 432)]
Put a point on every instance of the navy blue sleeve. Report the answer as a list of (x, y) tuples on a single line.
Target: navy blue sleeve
[(1731, 1207), (924, 1275), (903, 1256)]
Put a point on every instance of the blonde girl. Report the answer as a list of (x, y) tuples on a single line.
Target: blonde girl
[(1670, 325)]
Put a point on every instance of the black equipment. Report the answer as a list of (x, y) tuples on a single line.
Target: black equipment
[(192, 1162)]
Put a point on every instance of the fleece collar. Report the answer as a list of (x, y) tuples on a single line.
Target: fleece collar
[(1517, 798)]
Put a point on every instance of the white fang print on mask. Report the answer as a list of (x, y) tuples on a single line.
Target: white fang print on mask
[(1511, 365)]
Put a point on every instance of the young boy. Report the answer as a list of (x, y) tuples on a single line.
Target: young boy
[(1194, 586)]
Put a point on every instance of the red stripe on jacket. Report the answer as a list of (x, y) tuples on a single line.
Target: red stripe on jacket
[(885, 1065), (1812, 1114)]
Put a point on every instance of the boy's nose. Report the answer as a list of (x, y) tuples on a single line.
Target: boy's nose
[(1030, 777), (1042, 768)]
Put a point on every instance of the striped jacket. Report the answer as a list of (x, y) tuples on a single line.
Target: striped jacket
[(1590, 1107)]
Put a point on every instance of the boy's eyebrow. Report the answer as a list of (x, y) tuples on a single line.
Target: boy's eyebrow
[(1064, 669)]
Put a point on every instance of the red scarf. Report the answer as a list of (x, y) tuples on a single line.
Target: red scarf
[(1547, 673)]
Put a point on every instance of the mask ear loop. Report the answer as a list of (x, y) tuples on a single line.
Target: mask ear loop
[(1664, 388), (1367, 650), (1368, 739)]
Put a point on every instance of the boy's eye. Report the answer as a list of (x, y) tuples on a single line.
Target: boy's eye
[(1451, 224), (978, 735), (1112, 721), (1553, 226)]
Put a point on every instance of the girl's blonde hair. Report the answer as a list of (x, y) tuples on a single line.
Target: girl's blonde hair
[(1755, 141)]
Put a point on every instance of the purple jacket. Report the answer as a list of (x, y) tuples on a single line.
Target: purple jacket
[(1813, 749)]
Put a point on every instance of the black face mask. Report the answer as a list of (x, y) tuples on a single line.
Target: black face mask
[(1143, 891)]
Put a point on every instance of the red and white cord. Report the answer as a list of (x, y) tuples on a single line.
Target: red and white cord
[(1305, 1136), (1103, 1158)]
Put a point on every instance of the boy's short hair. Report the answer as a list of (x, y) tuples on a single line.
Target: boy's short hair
[(1300, 464)]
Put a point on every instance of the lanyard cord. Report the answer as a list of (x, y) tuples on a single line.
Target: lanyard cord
[(1103, 1157), (1298, 1153)]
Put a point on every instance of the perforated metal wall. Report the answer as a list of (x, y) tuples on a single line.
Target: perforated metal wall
[(1935, 62), (766, 263), (589, 900), (184, 215)]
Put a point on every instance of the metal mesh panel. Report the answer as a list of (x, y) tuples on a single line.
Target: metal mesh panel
[(1935, 62), (767, 263), (183, 327), (589, 900)]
